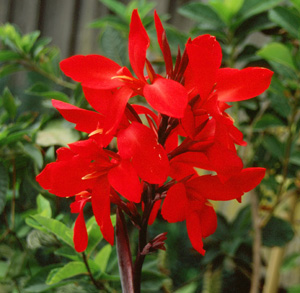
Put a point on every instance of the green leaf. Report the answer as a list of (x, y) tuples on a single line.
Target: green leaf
[(9, 103), (202, 13), (296, 4), (280, 104), (43, 206), (68, 252), (57, 132), (256, 23), (267, 121), (94, 235), (57, 228), (115, 6), (6, 55), (279, 53), (4, 182), (294, 289), (254, 7), (295, 158), (242, 222), (291, 262), (101, 259), (71, 269), (277, 232), (114, 46), (35, 154), (109, 20), (226, 9), (274, 146), (9, 69), (41, 90), (287, 19)]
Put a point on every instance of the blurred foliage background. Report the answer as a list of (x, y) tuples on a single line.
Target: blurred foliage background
[(256, 247)]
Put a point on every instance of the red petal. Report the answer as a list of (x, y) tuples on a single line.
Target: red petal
[(175, 204), (93, 71), (238, 85), (80, 236), (225, 162), (208, 219), (183, 165), (63, 178), (194, 229), (163, 44), (101, 208), (154, 212), (139, 143), (85, 120), (124, 180), (205, 56), (248, 179), (167, 97), (110, 104), (137, 45), (210, 187)]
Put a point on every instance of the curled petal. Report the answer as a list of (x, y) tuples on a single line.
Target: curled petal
[(238, 85), (167, 97), (92, 71), (138, 44)]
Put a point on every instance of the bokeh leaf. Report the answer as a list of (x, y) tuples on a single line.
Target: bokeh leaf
[(277, 232)]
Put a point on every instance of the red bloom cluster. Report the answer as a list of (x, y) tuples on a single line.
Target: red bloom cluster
[(189, 102)]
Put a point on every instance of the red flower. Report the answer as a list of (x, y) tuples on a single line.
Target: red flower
[(98, 72), (86, 168), (188, 200)]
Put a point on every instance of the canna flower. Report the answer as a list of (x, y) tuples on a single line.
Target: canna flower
[(188, 200), (98, 72), (88, 171)]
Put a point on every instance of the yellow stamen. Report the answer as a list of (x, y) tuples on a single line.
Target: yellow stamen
[(100, 131), (125, 77), (92, 175)]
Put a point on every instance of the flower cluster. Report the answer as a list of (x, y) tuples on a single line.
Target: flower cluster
[(185, 126)]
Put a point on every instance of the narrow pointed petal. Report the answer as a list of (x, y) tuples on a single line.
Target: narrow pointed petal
[(238, 85), (93, 71), (167, 97), (174, 207), (138, 44), (139, 143), (101, 208), (163, 44), (194, 229), (85, 120), (154, 212), (80, 236), (124, 179)]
